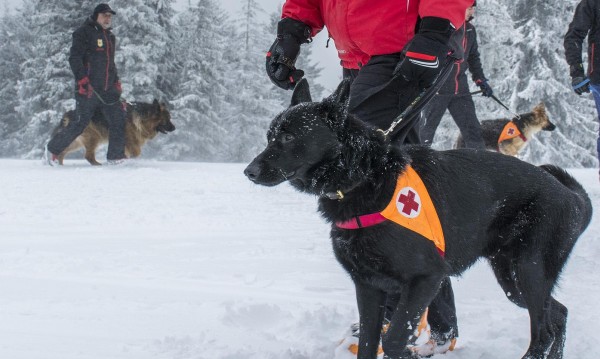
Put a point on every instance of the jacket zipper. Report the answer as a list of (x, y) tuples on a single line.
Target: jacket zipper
[(107, 60), (464, 44)]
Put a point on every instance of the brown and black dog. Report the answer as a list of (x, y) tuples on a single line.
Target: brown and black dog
[(144, 122), (510, 136)]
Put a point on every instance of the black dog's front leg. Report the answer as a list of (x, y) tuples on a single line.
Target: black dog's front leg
[(415, 299), (370, 309)]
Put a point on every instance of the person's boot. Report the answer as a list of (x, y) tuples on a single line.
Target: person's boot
[(348, 347)]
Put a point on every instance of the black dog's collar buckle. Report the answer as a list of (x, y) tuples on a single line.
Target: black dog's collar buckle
[(339, 195)]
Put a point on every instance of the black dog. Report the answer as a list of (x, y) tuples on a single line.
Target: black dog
[(524, 219)]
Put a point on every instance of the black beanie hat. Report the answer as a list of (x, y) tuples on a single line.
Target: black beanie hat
[(102, 8)]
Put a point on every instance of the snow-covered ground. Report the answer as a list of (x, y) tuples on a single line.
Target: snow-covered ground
[(192, 261)]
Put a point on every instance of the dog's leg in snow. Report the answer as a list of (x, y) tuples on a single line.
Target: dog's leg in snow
[(415, 299), (371, 307)]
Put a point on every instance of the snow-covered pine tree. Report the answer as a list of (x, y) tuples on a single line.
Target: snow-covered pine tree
[(47, 86), (167, 72), (521, 46), (13, 34), (544, 75), (252, 106), (202, 41), (142, 47)]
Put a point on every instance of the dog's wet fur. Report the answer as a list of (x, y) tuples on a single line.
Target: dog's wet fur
[(528, 123), (143, 122), (523, 219)]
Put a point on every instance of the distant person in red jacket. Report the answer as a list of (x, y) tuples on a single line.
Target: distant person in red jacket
[(392, 49)]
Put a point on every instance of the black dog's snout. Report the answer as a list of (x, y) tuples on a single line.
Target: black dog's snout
[(550, 127), (252, 171)]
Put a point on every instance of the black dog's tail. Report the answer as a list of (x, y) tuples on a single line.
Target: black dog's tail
[(568, 181)]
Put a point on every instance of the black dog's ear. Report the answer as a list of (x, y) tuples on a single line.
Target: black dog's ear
[(156, 104), (342, 93), (301, 93)]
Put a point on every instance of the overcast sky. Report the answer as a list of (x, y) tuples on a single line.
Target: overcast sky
[(326, 57)]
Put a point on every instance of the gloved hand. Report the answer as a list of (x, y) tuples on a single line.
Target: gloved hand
[(281, 58), (118, 87), (426, 53), (579, 82), (486, 89), (84, 87)]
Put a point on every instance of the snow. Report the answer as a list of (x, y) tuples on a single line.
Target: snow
[(191, 260)]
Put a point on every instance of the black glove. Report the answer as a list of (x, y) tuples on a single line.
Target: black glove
[(579, 82), (426, 53), (486, 89), (282, 55)]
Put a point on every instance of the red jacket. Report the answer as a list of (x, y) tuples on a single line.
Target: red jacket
[(364, 28)]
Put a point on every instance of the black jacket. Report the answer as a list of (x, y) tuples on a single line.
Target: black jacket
[(457, 81), (93, 55), (586, 22)]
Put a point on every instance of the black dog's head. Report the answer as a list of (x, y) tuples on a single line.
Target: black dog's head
[(316, 146)]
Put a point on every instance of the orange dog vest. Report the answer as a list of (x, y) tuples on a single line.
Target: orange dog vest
[(509, 132), (411, 207)]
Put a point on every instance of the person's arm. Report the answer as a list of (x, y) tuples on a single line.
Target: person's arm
[(301, 20), (452, 10), (77, 54), (579, 28), (305, 11), (474, 59)]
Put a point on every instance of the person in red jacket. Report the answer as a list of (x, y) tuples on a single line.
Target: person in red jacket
[(392, 49)]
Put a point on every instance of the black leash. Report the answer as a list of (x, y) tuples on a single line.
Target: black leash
[(422, 99), (500, 103), (104, 102)]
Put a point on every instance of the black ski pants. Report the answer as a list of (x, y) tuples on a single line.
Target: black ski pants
[(114, 114), (376, 97), (462, 109)]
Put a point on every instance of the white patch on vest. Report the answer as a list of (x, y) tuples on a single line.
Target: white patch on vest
[(409, 198)]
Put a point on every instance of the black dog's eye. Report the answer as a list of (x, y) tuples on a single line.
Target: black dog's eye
[(286, 137)]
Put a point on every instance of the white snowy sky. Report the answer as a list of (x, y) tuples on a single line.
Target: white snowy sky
[(326, 57)]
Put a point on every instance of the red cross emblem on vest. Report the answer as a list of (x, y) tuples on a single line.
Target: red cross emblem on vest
[(409, 202), (511, 131)]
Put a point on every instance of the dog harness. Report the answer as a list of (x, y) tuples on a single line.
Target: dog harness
[(509, 132), (411, 207)]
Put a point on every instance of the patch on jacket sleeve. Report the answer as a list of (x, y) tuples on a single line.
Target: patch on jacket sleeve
[(412, 208)]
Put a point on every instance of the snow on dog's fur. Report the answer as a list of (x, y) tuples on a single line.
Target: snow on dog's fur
[(523, 219)]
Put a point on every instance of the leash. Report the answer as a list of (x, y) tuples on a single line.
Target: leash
[(515, 115), (104, 102), (423, 98)]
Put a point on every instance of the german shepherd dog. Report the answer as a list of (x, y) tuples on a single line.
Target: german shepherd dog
[(144, 122), (524, 219), (528, 124)]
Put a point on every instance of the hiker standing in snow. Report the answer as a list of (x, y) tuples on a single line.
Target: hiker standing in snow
[(586, 22), (455, 95), (92, 60), (392, 50)]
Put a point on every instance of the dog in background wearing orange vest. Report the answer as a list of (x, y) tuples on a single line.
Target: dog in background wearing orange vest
[(403, 218), (510, 136)]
